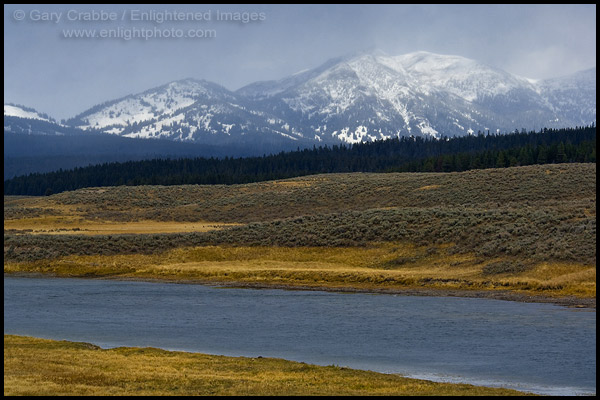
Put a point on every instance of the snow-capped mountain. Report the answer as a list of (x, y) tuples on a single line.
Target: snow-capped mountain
[(14, 110), (373, 95), (186, 110), (363, 97)]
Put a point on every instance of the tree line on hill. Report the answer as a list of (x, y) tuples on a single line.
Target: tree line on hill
[(406, 154)]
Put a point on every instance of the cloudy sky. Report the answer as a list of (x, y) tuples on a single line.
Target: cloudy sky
[(63, 76)]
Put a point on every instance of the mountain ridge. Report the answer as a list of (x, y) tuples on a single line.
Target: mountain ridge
[(354, 98)]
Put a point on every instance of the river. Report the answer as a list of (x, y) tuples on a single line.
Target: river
[(541, 348)]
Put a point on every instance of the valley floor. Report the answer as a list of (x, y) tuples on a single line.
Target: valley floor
[(522, 233)]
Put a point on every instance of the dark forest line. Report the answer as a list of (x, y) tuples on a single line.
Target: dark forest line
[(406, 154)]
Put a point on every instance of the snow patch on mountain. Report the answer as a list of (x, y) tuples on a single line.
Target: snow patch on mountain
[(148, 106), (13, 110)]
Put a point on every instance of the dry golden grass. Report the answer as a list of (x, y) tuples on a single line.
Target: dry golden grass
[(40, 367), (69, 225), (429, 187), (379, 266)]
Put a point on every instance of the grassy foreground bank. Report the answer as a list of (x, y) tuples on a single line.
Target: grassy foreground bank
[(40, 367)]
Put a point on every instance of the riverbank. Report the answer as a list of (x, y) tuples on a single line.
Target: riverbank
[(573, 302), (392, 268), (41, 367)]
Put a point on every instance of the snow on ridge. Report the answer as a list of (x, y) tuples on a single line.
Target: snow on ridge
[(463, 77), (164, 101), (361, 97), (19, 111)]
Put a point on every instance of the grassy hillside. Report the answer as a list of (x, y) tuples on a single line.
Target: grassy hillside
[(504, 188), (528, 229)]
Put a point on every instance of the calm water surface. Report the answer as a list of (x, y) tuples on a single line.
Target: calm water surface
[(541, 348)]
